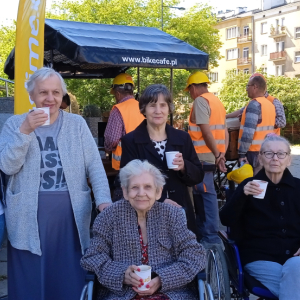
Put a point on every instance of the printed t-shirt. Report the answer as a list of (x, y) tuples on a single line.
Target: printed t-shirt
[(52, 174)]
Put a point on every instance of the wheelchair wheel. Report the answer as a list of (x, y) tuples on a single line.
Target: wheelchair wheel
[(217, 274)]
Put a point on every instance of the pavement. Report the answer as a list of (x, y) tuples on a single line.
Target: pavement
[(294, 168)]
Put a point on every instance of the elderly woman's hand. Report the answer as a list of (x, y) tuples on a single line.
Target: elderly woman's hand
[(153, 286), (169, 201), (178, 160), (297, 253), (252, 188), (33, 120), (131, 278)]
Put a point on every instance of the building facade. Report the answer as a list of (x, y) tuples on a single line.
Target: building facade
[(267, 39)]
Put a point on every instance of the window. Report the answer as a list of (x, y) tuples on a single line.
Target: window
[(279, 46), (246, 71), (216, 93), (246, 30), (213, 77), (232, 54), (246, 52), (264, 27), (264, 70), (264, 51), (297, 33), (282, 21), (232, 32), (297, 56), (279, 70)]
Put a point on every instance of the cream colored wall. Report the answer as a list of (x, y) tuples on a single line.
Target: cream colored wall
[(224, 64), (291, 13)]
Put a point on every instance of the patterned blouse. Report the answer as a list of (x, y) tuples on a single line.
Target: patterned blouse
[(157, 295), (160, 147)]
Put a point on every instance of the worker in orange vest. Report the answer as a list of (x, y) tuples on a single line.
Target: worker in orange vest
[(208, 132), (280, 120), (257, 121), (124, 117)]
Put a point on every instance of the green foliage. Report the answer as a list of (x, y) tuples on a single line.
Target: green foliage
[(7, 42), (91, 110), (234, 96), (194, 27)]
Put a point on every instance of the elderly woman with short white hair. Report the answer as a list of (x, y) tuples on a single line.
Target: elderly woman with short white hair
[(48, 200), (139, 230), (270, 246)]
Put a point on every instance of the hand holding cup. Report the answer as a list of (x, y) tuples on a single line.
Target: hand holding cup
[(34, 119), (254, 188)]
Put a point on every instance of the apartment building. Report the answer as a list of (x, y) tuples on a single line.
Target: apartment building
[(277, 40), (235, 30), (267, 38)]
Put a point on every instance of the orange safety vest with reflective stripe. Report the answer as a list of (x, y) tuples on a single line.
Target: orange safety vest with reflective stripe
[(132, 118), (216, 123), (271, 98), (266, 126)]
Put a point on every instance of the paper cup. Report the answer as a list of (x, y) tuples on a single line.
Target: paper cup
[(170, 157), (144, 274), (263, 186), (47, 111)]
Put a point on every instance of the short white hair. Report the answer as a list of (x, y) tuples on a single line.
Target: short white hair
[(272, 137), (41, 75), (137, 167)]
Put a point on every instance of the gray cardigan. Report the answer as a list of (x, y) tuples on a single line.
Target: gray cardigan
[(173, 251), (20, 158)]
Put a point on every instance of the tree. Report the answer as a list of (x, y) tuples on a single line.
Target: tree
[(234, 96), (7, 42), (194, 27)]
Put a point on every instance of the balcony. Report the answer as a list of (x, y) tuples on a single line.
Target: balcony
[(279, 32), (244, 39), (277, 56), (244, 61)]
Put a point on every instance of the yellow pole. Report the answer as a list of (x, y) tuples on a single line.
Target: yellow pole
[(29, 51)]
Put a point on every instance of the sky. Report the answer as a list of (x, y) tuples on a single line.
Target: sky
[(9, 11)]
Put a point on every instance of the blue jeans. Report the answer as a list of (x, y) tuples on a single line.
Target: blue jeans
[(208, 220), (2, 228), (282, 281)]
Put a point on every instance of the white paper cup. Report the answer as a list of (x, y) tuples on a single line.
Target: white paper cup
[(47, 111), (263, 186), (144, 274), (170, 157)]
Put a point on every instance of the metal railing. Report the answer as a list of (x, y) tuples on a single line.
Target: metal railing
[(6, 84), (244, 38), (244, 61)]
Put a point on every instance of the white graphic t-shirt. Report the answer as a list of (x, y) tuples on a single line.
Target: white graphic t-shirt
[(52, 174)]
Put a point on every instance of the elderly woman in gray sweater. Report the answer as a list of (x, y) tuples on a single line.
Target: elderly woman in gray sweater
[(139, 230), (48, 200)]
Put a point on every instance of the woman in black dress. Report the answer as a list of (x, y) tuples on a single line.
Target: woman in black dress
[(153, 137)]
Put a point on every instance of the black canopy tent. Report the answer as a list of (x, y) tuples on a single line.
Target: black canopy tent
[(87, 50)]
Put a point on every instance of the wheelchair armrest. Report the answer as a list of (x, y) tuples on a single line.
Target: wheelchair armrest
[(201, 275), (90, 276), (224, 236)]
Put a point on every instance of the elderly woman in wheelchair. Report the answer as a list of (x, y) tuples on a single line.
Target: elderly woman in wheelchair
[(270, 246), (139, 230)]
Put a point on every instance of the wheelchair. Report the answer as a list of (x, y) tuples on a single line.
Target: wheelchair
[(89, 290)]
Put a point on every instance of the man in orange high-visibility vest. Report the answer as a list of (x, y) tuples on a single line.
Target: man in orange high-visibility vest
[(208, 132), (257, 121), (280, 120), (124, 117)]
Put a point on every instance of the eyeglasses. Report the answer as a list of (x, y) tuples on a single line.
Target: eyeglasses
[(280, 155)]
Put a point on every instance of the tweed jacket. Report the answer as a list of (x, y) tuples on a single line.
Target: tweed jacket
[(173, 251), (21, 159)]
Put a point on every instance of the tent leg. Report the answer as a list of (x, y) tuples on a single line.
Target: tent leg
[(138, 79), (171, 90)]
